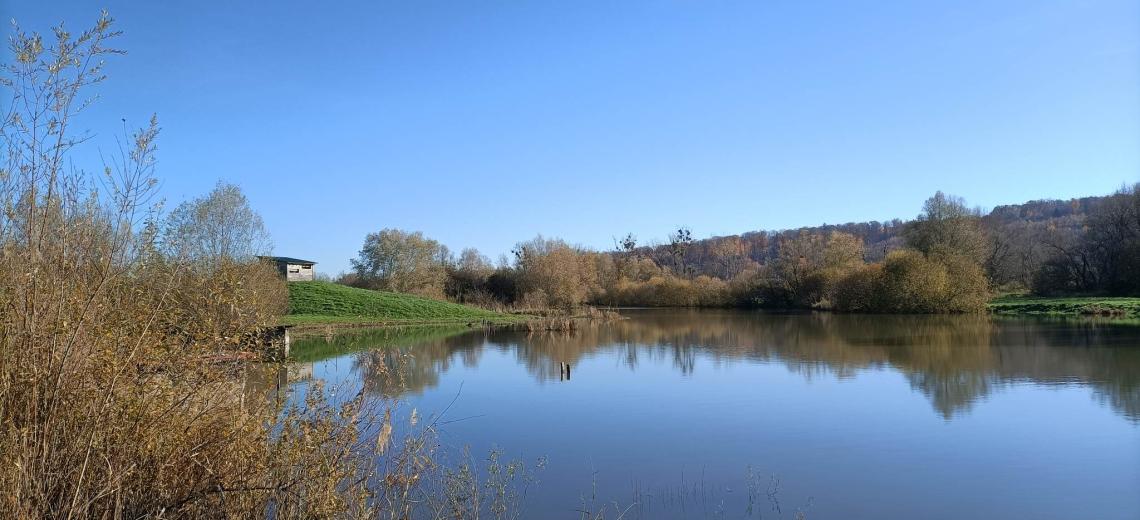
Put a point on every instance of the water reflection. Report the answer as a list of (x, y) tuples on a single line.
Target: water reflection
[(954, 361)]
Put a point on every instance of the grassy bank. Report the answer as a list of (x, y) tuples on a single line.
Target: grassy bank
[(1022, 305), (324, 303)]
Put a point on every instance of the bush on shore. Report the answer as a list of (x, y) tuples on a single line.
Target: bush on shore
[(909, 282)]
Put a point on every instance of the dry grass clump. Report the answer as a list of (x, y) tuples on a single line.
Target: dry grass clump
[(550, 319)]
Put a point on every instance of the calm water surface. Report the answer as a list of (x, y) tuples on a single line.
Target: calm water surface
[(721, 414)]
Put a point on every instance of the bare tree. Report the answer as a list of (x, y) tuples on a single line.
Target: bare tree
[(1103, 256), (627, 244), (679, 243)]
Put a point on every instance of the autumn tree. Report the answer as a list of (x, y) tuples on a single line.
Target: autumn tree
[(628, 263), (947, 226), (467, 277), (554, 273), (218, 226), (213, 241), (470, 259), (907, 281), (808, 265), (396, 260), (729, 257), (798, 258)]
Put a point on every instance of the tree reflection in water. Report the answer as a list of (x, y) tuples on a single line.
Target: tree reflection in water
[(953, 360)]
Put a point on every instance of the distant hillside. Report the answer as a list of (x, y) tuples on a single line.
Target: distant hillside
[(324, 302), (1046, 210), (708, 256)]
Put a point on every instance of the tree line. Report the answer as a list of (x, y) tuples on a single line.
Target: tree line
[(950, 258)]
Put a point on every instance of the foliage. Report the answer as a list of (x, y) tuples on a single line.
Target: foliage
[(1087, 245), (218, 227), (107, 406), (910, 282), (467, 278), (947, 227), (808, 266), (860, 290), (1011, 242), (553, 273), (219, 300), (399, 261), (667, 290)]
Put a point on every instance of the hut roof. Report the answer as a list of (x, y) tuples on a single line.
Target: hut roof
[(288, 260)]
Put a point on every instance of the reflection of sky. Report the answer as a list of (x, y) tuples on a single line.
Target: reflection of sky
[(864, 442)]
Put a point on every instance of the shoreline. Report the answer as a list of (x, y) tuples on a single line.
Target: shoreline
[(335, 323), (1005, 306)]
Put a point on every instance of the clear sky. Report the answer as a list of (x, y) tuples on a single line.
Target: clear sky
[(484, 123)]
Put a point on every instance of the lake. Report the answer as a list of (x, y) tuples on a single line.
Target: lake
[(733, 414)]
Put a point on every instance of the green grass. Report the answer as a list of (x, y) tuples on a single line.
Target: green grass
[(1068, 306), (318, 303)]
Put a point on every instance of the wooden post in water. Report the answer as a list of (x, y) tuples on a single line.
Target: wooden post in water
[(287, 342)]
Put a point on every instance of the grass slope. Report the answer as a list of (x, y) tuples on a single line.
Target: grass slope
[(324, 302), (1071, 306)]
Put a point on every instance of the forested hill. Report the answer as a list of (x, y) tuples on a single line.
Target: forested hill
[(1046, 210), (1012, 224)]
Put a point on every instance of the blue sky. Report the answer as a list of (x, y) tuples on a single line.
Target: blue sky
[(484, 123)]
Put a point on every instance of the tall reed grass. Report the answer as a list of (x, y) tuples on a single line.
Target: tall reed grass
[(109, 407)]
